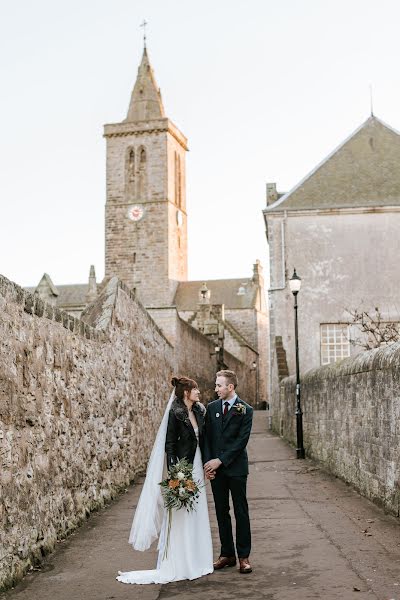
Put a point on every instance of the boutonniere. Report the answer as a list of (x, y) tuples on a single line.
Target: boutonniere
[(240, 409)]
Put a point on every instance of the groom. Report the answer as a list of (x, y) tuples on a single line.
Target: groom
[(227, 431)]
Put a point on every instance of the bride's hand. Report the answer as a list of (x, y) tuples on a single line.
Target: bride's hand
[(209, 475)]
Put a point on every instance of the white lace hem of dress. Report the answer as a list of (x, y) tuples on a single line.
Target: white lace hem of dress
[(156, 576)]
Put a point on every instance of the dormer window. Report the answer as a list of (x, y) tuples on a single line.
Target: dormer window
[(204, 294)]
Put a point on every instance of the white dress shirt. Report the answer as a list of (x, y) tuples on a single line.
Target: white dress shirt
[(231, 402)]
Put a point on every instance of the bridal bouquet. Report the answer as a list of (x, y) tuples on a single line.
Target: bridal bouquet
[(179, 490)]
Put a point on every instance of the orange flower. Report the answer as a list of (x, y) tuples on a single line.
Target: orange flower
[(174, 483), (190, 485)]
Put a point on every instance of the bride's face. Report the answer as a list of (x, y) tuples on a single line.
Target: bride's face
[(193, 395)]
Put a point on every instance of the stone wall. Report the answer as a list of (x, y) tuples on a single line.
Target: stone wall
[(351, 421), (254, 326), (80, 401), (195, 358)]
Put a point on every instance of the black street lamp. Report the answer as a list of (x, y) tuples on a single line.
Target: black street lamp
[(219, 351), (254, 367), (295, 285)]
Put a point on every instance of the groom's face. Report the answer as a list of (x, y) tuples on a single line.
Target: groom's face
[(223, 389)]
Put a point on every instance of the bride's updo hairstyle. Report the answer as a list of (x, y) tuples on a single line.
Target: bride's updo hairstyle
[(182, 384), (179, 408)]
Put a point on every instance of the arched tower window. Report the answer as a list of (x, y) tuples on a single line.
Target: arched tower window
[(131, 165), (176, 178), (178, 181), (142, 191), (130, 171)]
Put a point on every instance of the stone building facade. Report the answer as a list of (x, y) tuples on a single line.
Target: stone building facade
[(339, 229), (146, 240)]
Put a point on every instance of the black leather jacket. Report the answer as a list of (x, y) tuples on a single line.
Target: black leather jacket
[(181, 441)]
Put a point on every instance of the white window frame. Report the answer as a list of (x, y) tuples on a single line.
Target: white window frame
[(334, 342)]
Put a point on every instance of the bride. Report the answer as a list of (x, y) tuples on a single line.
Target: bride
[(189, 552)]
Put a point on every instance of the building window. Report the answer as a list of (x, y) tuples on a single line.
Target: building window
[(142, 187), (335, 342), (178, 181), (131, 165), (130, 172)]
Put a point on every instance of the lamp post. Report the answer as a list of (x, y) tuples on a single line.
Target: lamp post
[(254, 367), (218, 356), (295, 285)]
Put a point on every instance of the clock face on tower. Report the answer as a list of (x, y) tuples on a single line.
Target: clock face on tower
[(135, 213)]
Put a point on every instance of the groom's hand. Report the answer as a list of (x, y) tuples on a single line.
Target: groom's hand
[(212, 465), (210, 475)]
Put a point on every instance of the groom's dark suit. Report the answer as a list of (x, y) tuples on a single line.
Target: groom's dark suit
[(226, 438)]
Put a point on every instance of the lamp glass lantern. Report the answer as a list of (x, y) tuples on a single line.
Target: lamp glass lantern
[(295, 283)]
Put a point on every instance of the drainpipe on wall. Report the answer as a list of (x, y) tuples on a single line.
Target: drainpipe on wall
[(277, 289)]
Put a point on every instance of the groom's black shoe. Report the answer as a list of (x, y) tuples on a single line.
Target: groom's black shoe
[(244, 566), (225, 561)]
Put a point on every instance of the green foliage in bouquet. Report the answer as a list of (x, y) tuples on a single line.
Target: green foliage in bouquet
[(179, 489)]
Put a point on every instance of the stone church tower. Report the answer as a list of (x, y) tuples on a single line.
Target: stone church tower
[(146, 226), (146, 248)]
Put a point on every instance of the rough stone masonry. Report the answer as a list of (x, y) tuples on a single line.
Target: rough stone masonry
[(80, 402), (351, 421)]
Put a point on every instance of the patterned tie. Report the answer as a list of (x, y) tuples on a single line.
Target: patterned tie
[(226, 406)]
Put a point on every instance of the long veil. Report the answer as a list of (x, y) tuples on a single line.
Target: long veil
[(149, 511)]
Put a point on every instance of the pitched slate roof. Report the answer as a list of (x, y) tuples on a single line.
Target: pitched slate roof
[(363, 171), (223, 291), (72, 294), (69, 295)]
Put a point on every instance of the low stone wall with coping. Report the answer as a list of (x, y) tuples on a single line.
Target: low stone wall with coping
[(351, 419)]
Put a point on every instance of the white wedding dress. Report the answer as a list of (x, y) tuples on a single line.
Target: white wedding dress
[(190, 552)]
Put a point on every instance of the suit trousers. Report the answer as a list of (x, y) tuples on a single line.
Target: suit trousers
[(236, 485)]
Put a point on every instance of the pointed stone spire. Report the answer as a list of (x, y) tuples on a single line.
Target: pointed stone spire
[(258, 280), (47, 290), (91, 294), (258, 277), (146, 103)]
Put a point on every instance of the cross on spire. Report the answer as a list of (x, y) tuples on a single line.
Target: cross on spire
[(144, 24), (371, 100)]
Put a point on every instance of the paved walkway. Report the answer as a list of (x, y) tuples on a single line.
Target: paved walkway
[(313, 537)]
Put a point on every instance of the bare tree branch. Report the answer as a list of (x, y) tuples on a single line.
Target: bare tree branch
[(376, 332)]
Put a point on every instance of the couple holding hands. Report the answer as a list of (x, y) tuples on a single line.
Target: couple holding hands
[(214, 441)]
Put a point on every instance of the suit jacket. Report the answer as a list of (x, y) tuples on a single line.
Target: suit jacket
[(226, 437), (181, 440)]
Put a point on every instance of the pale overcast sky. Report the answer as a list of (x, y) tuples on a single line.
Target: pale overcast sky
[(263, 89)]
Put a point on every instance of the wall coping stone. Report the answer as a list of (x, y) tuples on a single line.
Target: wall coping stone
[(377, 359), (33, 305)]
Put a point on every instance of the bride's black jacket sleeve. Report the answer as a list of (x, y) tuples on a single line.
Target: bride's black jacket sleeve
[(181, 441)]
